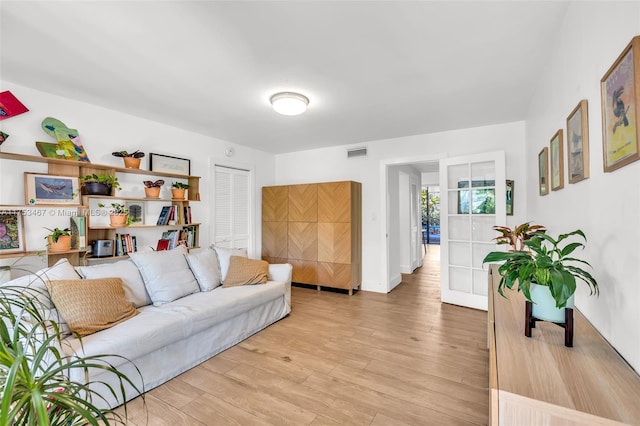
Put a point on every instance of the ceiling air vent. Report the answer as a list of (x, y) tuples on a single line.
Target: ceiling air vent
[(357, 152)]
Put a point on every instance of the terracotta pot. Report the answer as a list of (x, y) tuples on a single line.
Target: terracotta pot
[(177, 194), (63, 243), (152, 192), (131, 162), (118, 220)]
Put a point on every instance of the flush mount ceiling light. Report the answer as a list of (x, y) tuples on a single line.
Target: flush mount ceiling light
[(289, 103)]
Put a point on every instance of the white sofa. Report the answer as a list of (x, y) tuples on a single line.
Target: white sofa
[(166, 339)]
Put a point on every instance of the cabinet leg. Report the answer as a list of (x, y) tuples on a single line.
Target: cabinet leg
[(350, 292), (318, 288), (568, 327)]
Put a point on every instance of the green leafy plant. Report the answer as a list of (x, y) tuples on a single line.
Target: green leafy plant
[(517, 236), (547, 262), (118, 209), (179, 185), (35, 374), (135, 154), (56, 233), (108, 180)]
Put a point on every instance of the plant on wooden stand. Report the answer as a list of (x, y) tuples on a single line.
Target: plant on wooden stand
[(178, 189), (58, 239), (152, 189), (118, 215)]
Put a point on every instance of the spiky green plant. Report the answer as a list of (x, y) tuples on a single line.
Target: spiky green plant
[(546, 263), (35, 383)]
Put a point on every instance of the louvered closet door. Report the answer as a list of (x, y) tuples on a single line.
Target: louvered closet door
[(232, 211)]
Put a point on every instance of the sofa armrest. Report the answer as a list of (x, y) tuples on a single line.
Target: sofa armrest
[(280, 272)]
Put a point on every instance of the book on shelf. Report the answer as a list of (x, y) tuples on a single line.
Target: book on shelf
[(125, 244), (78, 232), (163, 219), (163, 245)]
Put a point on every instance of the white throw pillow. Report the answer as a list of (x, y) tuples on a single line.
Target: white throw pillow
[(166, 274), (61, 270), (204, 266), (224, 257), (134, 289)]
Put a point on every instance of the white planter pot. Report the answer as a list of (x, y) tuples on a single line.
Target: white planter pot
[(544, 306)]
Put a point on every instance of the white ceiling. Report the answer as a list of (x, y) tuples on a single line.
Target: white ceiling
[(371, 69)]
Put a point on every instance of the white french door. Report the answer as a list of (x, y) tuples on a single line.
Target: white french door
[(472, 199), (232, 207)]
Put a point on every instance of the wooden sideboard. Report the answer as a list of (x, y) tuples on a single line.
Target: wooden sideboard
[(538, 381)]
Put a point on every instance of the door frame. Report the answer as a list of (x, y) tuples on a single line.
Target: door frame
[(388, 284)]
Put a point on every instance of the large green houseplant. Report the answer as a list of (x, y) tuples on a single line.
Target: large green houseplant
[(543, 260), (35, 388)]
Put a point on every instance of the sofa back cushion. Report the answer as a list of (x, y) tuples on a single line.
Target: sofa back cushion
[(166, 274), (204, 265), (134, 289), (243, 271), (89, 306), (224, 257)]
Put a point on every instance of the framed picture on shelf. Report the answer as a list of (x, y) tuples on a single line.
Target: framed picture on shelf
[(509, 195), (543, 171), (11, 232), (557, 161), (620, 97), (578, 143), (136, 212), (49, 189), (168, 164)]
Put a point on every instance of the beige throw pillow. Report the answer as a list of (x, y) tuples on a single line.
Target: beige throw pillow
[(88, 306), (244, 271)]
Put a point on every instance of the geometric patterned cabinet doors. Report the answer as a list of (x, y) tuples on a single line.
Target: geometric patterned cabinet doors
[(320, 233)]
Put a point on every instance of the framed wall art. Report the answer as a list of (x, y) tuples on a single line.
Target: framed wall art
[(543, 171), (509, 195), (620, 97), (578, 143), (48, 189), (168, 164), (556, 149), (11, 232)]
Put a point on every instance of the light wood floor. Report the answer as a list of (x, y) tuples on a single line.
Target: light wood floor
[(401, 358)]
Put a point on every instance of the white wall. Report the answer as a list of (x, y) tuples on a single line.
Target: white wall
[(332, 164), (607, 205), (103, 131)]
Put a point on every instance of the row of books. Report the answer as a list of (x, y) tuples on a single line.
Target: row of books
[(176, 237), (125, 244), (174, 215)]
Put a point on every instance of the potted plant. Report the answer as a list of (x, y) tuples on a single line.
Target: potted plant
[(152, 189), (100, 184), (544, 269), (35, 383), (118, 215), (131, 160), (178, 189), (58, 240)]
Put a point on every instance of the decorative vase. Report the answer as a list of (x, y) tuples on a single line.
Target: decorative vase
[(118, 220), (177, 194), (153, 192), (97, 188), (131, 162), (63, 243)]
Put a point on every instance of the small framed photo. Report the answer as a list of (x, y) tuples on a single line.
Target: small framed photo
[(578, 143), (557, 161), (509, 194), (620, 97), (543, 171), (49, 189), (11, 232), (168, 164), (136, 212)]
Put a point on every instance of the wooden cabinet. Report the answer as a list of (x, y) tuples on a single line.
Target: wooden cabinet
[(104, 231), (316, 228)]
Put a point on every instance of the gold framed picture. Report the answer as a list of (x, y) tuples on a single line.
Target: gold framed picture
[(543, 171), (556, 149), (578, 143)]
